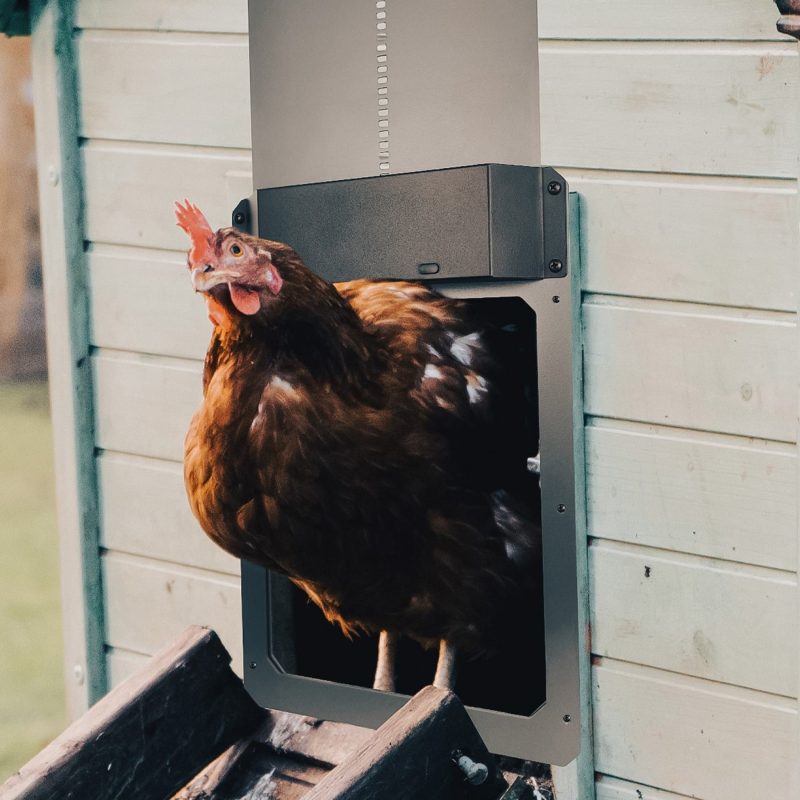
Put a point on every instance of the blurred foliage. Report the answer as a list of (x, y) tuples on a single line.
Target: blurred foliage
[(32, 706), (15, 17)]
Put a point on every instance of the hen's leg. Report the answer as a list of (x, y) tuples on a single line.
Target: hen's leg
[(384, 671), (445, 677)]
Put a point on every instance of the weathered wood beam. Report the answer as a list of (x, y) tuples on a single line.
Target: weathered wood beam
[(413, 756), (790, 17), (151, 734)]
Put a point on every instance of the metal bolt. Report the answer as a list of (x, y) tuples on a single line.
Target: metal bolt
[(238, 218), (253, 665), (555, 265), (567, 719), (474, 772), (556, 299), (561, 508), (554, 187), (534, 465)]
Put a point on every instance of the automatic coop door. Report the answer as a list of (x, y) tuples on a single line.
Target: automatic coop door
[(400, 141)]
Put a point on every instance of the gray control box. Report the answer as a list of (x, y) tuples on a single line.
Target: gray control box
[(486, 221)]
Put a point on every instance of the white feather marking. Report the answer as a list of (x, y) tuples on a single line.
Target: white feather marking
[(476, 387), (462, 347), (282, 385), (432, 371), (514, 552)]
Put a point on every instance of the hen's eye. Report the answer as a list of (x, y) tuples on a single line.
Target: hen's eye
[(236, 250)]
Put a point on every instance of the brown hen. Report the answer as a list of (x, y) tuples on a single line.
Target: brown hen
[(359, 438)]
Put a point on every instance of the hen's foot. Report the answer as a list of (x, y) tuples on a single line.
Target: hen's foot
[(384, 671), (445, 677)]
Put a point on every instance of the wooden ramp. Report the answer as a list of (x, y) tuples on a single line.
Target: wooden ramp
[(185, 728)]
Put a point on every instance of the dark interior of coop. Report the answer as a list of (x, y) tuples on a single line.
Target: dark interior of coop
[(511, 679)]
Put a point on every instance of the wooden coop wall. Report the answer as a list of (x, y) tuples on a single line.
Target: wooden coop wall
[(677, 124)]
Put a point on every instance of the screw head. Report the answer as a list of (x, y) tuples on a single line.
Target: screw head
[(567, 719), (253, 665), (238, 218), (561, 508), (555, 265), (554, 187), (556, 298)]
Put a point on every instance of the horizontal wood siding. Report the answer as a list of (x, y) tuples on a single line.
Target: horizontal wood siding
[(213, 16), (149, 603), (145, 513), (730, 372), (712, 109), (144, 405), (674, 611), (125, 75), (631, 222), (615, 789), (719, 496), (676, 123), (690, 736), (119, 211), (122, 664), (121, 284), (656, 19)]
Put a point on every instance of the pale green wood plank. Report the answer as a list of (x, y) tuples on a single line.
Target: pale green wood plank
[(121, 664), (131, 190), (150, 603), (691, 366), (143, 300), (656, 19), (692, 736), (675, 612), (66, 310), (608, 788), (181, 88), (710, 495), (708, 109), (144, 405), (724, 241), (183, 15), (145, 512)]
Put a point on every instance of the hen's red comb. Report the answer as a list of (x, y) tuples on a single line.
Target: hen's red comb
[(191, 219)]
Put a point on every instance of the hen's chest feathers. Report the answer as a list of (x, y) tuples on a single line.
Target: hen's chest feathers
[(332, 445)]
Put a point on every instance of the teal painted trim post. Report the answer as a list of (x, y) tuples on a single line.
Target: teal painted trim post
[(585, 766), (66, 293)]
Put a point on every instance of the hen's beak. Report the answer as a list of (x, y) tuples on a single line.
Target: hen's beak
[(204, 278)]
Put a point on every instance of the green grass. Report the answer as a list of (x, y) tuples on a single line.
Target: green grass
[(32, 708)]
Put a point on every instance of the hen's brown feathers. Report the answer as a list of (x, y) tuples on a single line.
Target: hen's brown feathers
[(350, 438)]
